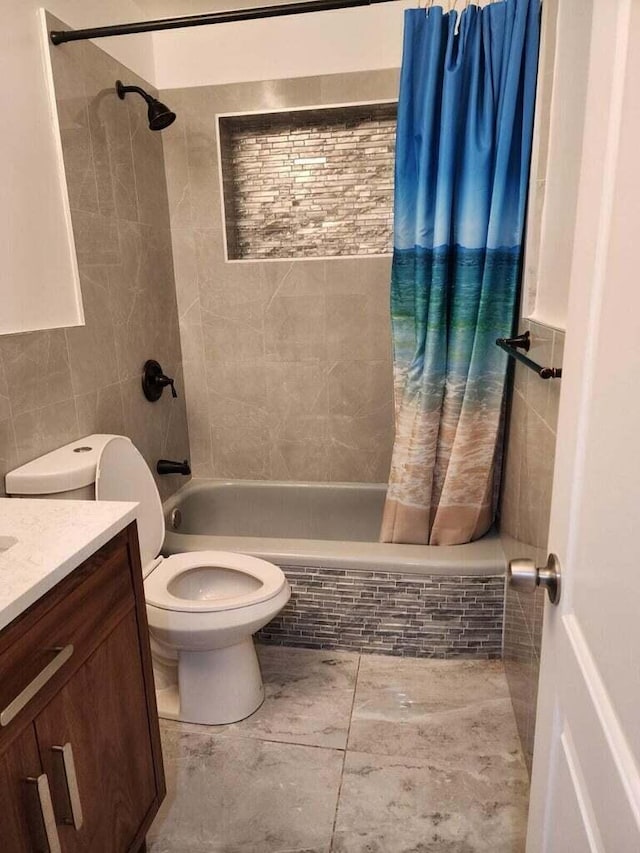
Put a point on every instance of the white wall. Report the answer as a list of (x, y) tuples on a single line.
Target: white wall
[(567, 85), (38, 264), (361, 39), (560, 117)]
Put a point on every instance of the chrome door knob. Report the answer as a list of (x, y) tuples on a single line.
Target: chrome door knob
[(525, 575)]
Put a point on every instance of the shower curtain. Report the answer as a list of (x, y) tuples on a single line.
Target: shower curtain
[(465, 119)]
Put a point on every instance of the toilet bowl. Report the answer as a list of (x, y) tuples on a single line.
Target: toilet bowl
[(202, 607)]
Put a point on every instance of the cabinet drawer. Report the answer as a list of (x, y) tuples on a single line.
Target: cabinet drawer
[(44, 646)]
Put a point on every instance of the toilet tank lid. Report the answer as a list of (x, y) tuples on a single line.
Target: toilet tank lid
[(70, 467)]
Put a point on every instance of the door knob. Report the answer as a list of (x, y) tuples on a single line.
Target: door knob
[(525, 575)]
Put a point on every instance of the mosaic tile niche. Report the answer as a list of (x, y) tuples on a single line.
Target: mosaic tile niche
[(309, 183), (403, 614)]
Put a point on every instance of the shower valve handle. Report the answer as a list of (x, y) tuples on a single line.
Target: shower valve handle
[(154, 381), (163, 381)]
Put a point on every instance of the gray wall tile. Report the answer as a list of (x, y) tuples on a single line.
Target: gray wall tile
[(8, 449), (41, 430), (524, 516), (253, 328), (92, 347), (36, 369)]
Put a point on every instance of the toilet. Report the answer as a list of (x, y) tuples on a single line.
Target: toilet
[(202, 606)]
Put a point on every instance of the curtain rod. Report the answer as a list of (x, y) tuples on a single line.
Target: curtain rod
[(223, 17)]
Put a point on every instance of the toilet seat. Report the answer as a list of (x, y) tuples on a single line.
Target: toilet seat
[(123, 475), (157, 585)]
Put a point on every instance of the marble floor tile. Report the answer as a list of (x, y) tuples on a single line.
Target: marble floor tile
[(308, 698), (456, 714), (241, 795), (391, 804), (432, 764)]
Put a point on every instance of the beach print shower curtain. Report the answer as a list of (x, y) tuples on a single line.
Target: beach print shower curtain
[(465, 119)]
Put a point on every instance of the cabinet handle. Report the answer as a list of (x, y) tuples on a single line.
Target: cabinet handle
[(45, 833), (16, 705), (67, 770)]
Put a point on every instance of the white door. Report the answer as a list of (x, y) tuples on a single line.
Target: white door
[(586, 775)]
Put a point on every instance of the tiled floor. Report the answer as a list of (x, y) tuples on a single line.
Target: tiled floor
[(352, 754)]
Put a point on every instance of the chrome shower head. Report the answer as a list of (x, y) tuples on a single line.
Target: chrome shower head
[(158, 114)]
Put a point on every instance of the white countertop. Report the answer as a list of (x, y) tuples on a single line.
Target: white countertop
[(53, 538)]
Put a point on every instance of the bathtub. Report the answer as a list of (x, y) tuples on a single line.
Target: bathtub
[(349, 591)]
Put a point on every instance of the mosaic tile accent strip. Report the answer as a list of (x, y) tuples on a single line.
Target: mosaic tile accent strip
[(309, 183), (408, 615)]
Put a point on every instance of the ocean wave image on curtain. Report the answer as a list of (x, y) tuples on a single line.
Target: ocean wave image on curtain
[(465, 124)]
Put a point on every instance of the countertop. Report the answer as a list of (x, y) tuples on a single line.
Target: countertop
[(53, 537)]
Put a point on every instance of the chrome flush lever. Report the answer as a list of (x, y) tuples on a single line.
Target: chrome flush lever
[(526, 576)]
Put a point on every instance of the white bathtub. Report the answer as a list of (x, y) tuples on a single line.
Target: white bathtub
[(334, 525)]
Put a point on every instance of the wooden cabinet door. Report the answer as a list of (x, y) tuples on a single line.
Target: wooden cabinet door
[(102, 713), (18, 807)]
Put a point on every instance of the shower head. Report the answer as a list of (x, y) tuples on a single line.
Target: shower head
[(159, 115)]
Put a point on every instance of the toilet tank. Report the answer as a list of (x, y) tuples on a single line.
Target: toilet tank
[(67, 473)]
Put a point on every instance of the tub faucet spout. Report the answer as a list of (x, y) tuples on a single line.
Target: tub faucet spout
[(168, 466)]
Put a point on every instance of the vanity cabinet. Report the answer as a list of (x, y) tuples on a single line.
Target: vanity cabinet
[(80, 759), (19, 761)]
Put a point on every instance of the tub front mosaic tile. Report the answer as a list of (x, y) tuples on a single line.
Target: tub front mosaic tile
[(437, 616)]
